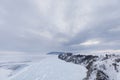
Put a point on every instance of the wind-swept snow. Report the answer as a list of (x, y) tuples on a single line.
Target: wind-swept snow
[(51, 69), (4, 73)]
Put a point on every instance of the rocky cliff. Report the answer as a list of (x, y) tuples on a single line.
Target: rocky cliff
[(105, 67)]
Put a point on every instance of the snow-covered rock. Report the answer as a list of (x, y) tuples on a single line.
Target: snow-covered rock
[(99, 67)]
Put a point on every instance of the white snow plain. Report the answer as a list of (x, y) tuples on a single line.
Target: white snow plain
[(49, 68)]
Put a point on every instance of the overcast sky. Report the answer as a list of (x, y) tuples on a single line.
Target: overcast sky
[(59, 25)]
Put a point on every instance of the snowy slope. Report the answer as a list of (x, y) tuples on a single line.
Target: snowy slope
[(4, 73), (12, 63), (51, 68)]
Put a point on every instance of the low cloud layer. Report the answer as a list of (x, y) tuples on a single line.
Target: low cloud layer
[(59, 25)]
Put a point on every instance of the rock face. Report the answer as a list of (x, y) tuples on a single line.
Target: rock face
[(99, 67)]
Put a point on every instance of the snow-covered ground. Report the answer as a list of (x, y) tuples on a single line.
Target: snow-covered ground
[(4, 73), (48, 68), (42, 67)]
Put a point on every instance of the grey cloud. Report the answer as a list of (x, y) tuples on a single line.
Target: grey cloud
[(42, 26)]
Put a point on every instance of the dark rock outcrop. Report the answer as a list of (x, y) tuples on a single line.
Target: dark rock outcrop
[(99, 67)]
